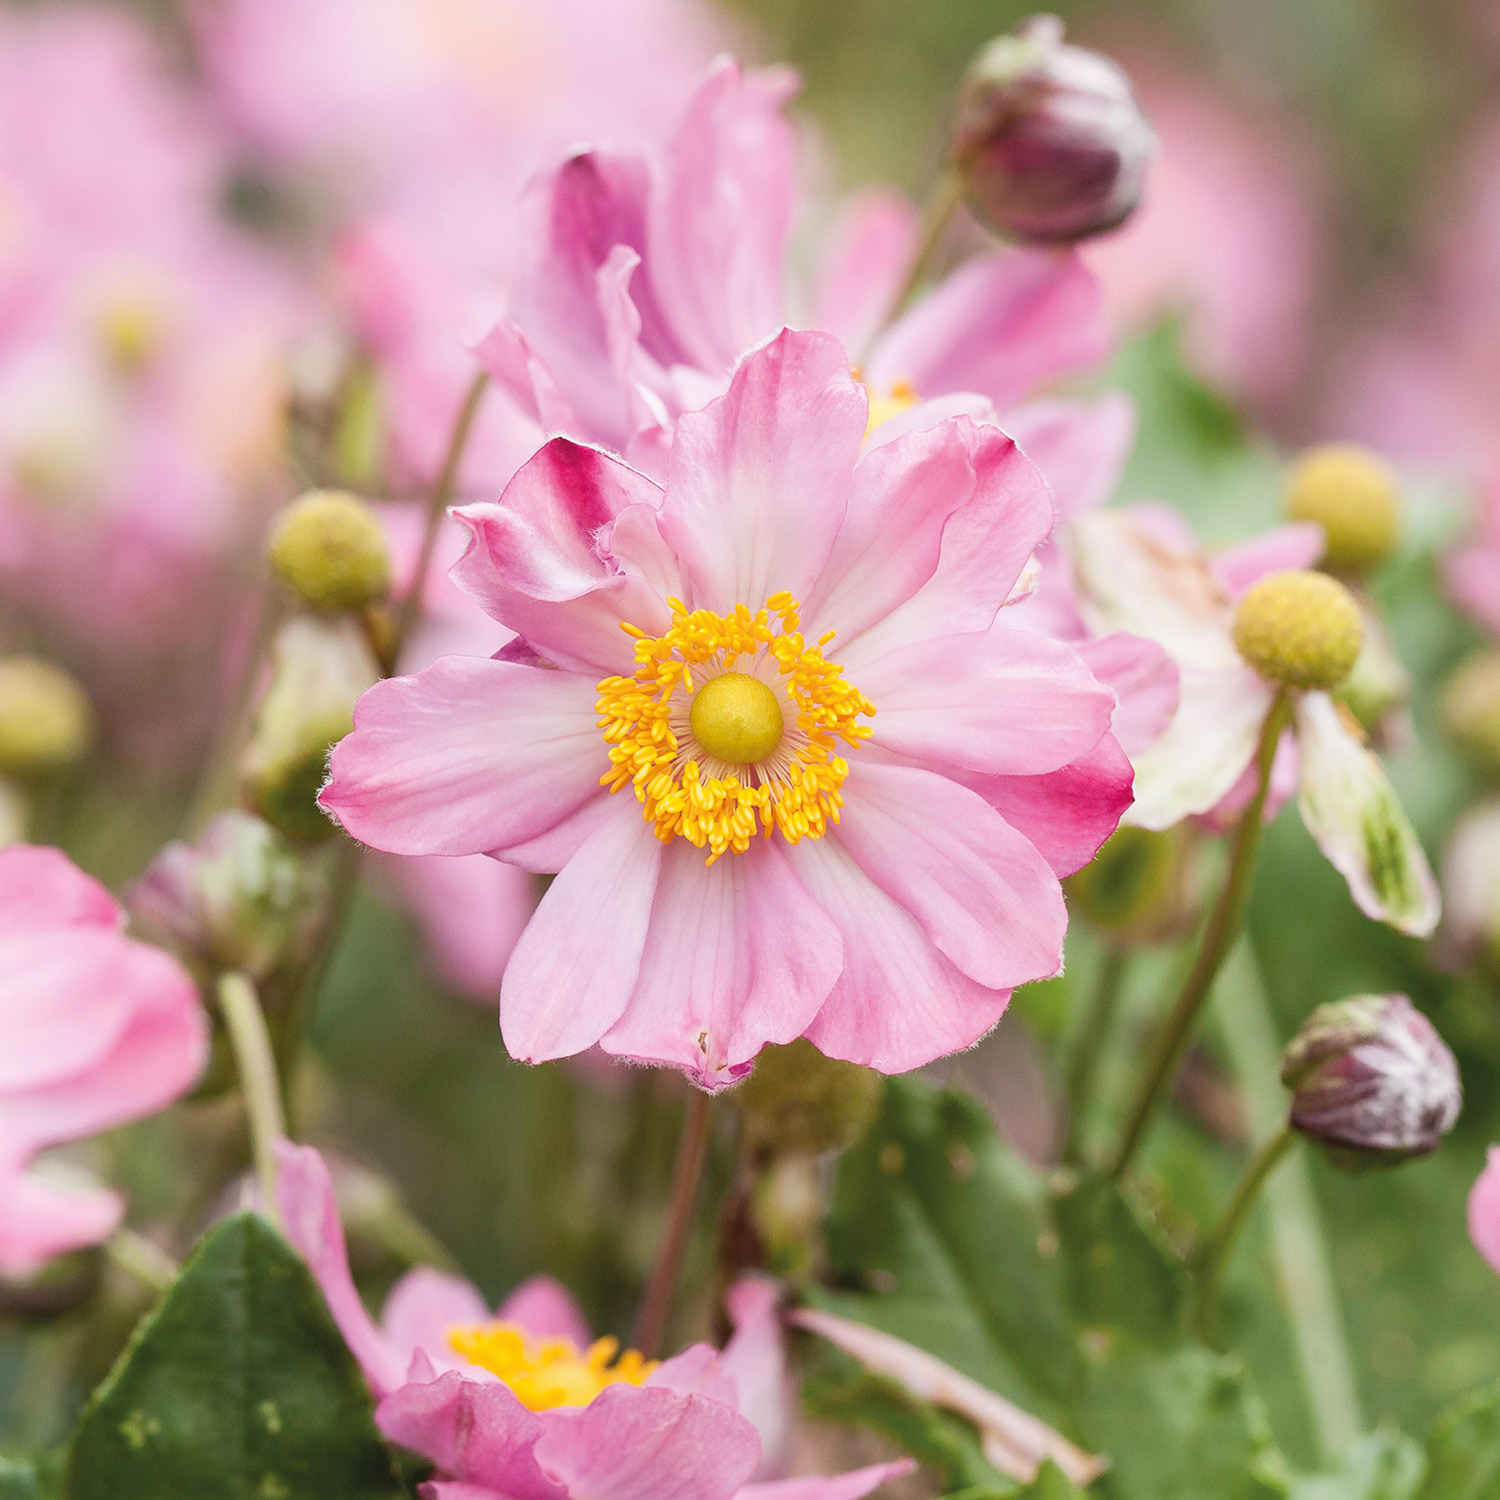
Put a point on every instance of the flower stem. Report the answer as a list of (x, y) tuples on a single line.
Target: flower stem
[(437, 506), (1088, 1046), (946, 197), (256, 1062), (692, 1152), (139, 1258), (1209, 1263), (1218, 938)]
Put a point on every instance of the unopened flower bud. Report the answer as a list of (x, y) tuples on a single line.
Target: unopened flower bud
[(1130, 877), (46, 722), (1371, 1079), (1378, 690), (329, 549), (1471, 707), (1299, 629), (319, 670), (1048, 140), (797, 1100), (1353, 495), (239, 897)]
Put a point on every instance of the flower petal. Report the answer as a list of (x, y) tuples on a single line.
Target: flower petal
[(421, 1309), (1005, 702), (738, 955), (1002, 324), (545, 1308), (758, 480), (40, 1219), (41, 887), (465, 757), (863, 268), (755, 1360), (1299, 544), (575, 968), (1484, 1210), (853, 1485), (1352, 812), (1080, 446), (1144, 680)]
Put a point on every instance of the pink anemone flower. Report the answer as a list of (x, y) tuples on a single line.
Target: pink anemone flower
[(762, 722), (523, 1404), (1484, 1210), (99, 1030)]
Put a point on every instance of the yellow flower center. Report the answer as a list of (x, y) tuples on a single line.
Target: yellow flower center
[(701, 733), (884, 405), (545, 1373)]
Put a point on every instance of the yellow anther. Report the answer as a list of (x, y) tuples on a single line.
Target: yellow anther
[(547, 1373), (1299, 629)]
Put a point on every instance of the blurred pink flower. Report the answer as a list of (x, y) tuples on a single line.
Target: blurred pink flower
[(1471, 572), (989, 772), (99, 1030), (700, 1425), (1484, 1210), (1228, 232)]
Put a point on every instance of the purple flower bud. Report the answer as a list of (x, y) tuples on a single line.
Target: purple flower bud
[(1372, 1079), (1049, 141), (238, 898)]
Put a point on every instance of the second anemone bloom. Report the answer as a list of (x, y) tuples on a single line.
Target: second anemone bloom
[(769, 728)]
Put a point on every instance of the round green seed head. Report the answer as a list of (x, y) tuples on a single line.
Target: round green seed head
[(1353, 495), (46, 721), (1299, 629), (797, 1100), (1471, 707), (329, 549)]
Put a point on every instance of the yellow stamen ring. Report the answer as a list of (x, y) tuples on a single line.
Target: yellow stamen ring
[(702, 733), (547, 1373)]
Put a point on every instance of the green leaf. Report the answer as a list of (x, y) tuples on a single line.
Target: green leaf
[(1379, 1466), (19, 1480), (1463, 1450), (237, 1386), (1050, 1484)]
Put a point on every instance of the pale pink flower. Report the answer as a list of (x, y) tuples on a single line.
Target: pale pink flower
[(524, 1402), (1139, 569), (99, 1030), (908, 879), (1471, 889), (1471, 573), (1484, 1210)]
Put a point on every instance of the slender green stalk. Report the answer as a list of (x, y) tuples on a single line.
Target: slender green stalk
[(692, 1152), (1219, 937), (140, 1259), (259, 1087), (1209, 1264), (946, 197), (1297, 1240), (1088, 1046), (437, 505)]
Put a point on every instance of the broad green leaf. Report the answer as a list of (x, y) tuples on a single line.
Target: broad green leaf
[(1380, 1466), (237, 1386), (1463, 1451)]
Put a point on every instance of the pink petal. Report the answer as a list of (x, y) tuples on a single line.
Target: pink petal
[(755, 1360), (719, 225), (1298, 544), (545, 1307), (476, 1432), (1001, 325), (575, 968), (1144, 680), (645, 1443), (697, 1371), (1067, 814), (981, 891), (898, 1003), (310, 1218), (1005, 702), (508, 357), (758, 480), (1484, 1210), (466, 756), (39, 1220), (1469, 576), (900, 504), (41, 887), (736, 956), (1080, 446), (421, 1310), (853, 1485), (865, 264)]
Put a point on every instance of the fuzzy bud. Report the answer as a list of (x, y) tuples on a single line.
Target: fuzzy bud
[(1299, 629), (1471, 707), (1371, 1079), (319, 670), (1353, 495), (329, 550), (240, 897), (46, 722), (797, 1100), (1049, 142)]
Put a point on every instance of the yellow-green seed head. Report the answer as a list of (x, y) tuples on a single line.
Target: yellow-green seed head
[(46, 722), (328, 548), (1353, 495), (1471, 706), (1134, 874), (1299, 629), (798, 1100)]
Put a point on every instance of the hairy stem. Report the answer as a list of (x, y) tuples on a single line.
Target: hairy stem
[(1219, 937), (142, 1260), (259, 1087)]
